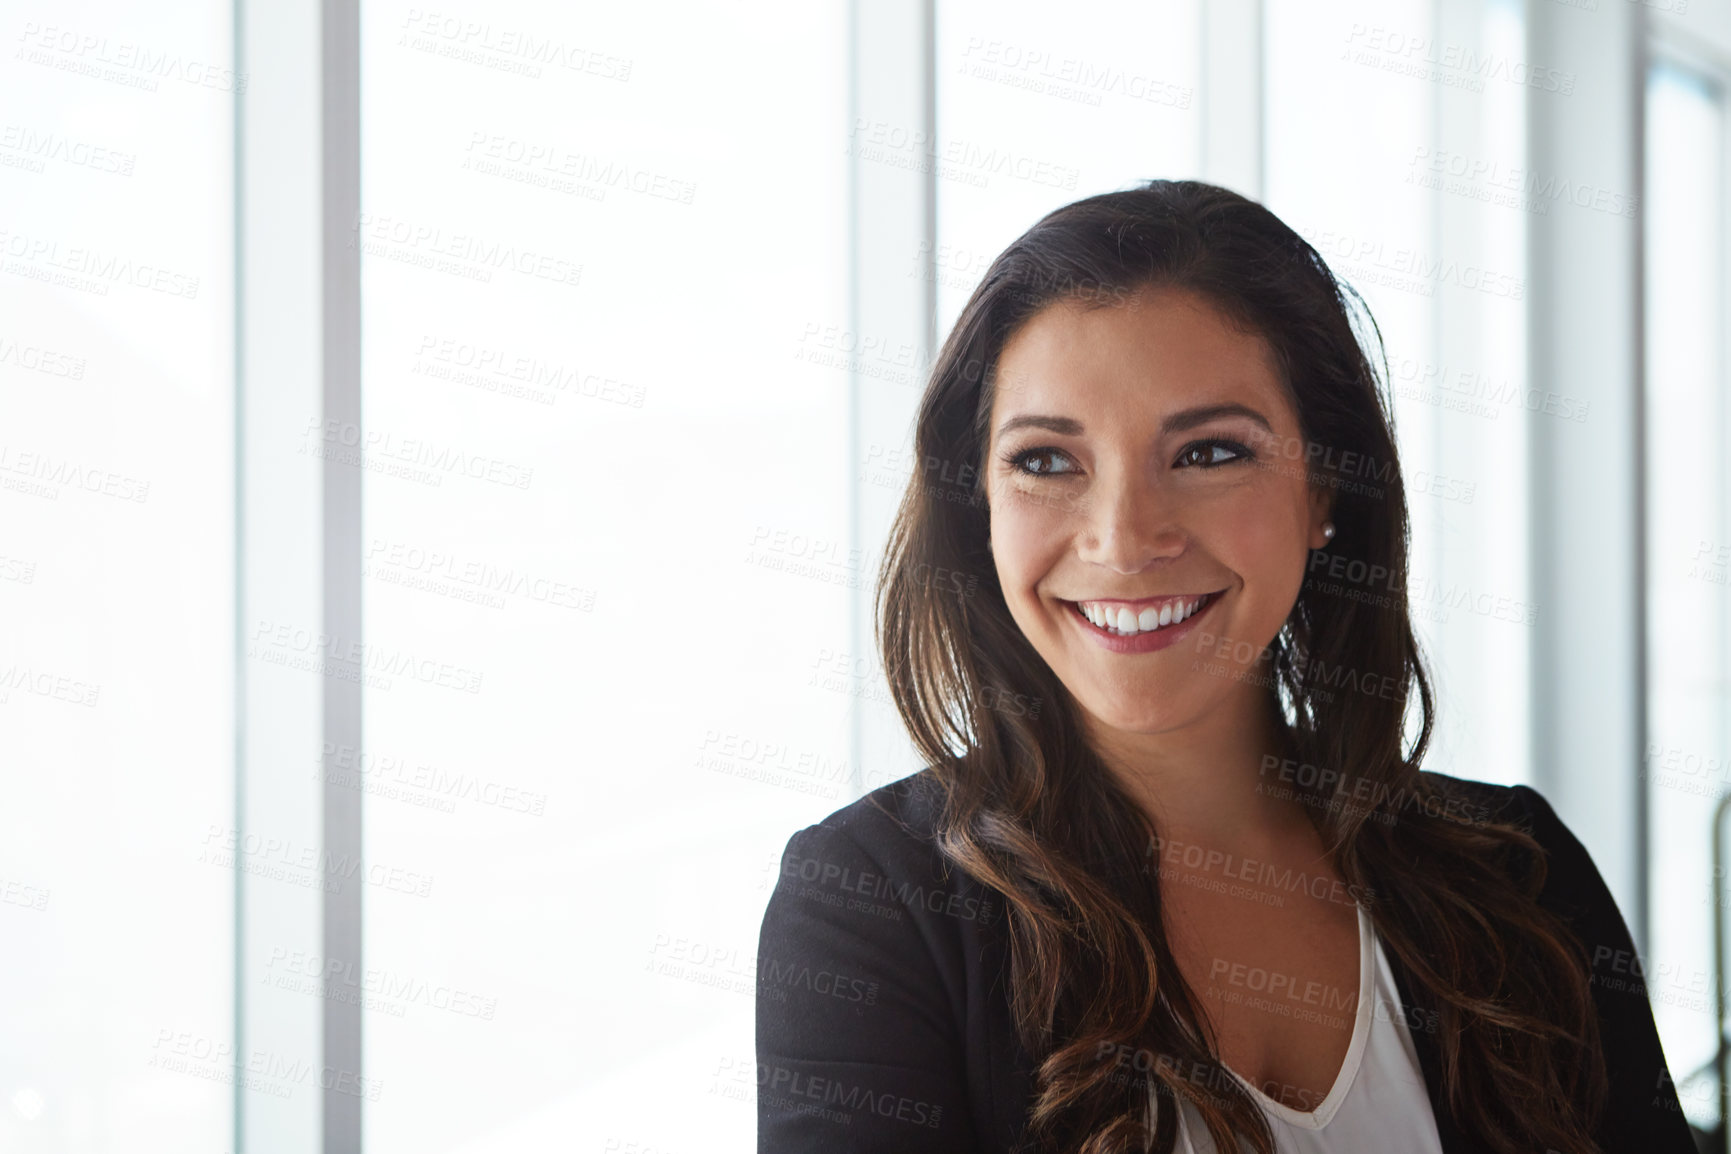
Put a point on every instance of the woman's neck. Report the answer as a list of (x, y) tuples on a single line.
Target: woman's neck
[(1215, 783)]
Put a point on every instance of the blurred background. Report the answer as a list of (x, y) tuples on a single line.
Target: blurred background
[(445, 454)]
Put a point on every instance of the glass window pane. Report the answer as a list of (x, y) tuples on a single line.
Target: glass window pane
[(604, 305), (1036, 109), (116, 572), (1372, 109), (1688, 556)]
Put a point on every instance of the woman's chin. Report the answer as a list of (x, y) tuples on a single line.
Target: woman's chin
[(1135, 717)]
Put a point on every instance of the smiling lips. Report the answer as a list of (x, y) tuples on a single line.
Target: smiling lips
[(1129, 618)]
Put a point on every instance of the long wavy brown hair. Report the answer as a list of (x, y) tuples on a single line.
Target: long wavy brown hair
[(1029, 809)]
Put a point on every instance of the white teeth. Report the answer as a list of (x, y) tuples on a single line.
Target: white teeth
[(1122, 620)]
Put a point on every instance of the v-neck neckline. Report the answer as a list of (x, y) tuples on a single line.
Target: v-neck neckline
[(1349, 1067)]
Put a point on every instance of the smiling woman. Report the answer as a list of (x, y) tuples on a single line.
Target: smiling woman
[(1198, 897), (1156, 503)]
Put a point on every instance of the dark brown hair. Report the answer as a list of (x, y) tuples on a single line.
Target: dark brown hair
[(1029, 809)]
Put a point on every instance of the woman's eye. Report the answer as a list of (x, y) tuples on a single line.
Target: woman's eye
[(1205, 453), (1026, 462)]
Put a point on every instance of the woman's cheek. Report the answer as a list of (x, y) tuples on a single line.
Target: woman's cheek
[(1263, 534), (1272, 568), (1030, 535)]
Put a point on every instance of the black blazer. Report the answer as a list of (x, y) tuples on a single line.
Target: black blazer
[(883, 1023)]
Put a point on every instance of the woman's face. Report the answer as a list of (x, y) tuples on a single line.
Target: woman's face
[(1144, 461)]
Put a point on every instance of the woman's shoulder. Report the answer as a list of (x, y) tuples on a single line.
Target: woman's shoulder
[(895, 824), (869, 959), (881, 850), (1573, 886), (1481, 802), (898, 818), (1485, 802), (1643, 1111), (1571, 879)]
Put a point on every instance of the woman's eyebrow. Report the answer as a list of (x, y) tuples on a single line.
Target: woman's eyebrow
[(1066, 425), (1174, 423), (1202, 414)]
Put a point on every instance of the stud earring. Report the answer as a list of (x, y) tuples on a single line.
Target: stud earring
[(1328, 529)]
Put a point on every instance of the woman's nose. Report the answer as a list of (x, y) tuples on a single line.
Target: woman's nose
[(1130, 524)]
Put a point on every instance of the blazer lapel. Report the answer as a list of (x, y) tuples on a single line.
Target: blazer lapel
[(1429, 1047)]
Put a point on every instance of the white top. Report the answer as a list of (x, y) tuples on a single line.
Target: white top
[(1378, 1100)]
